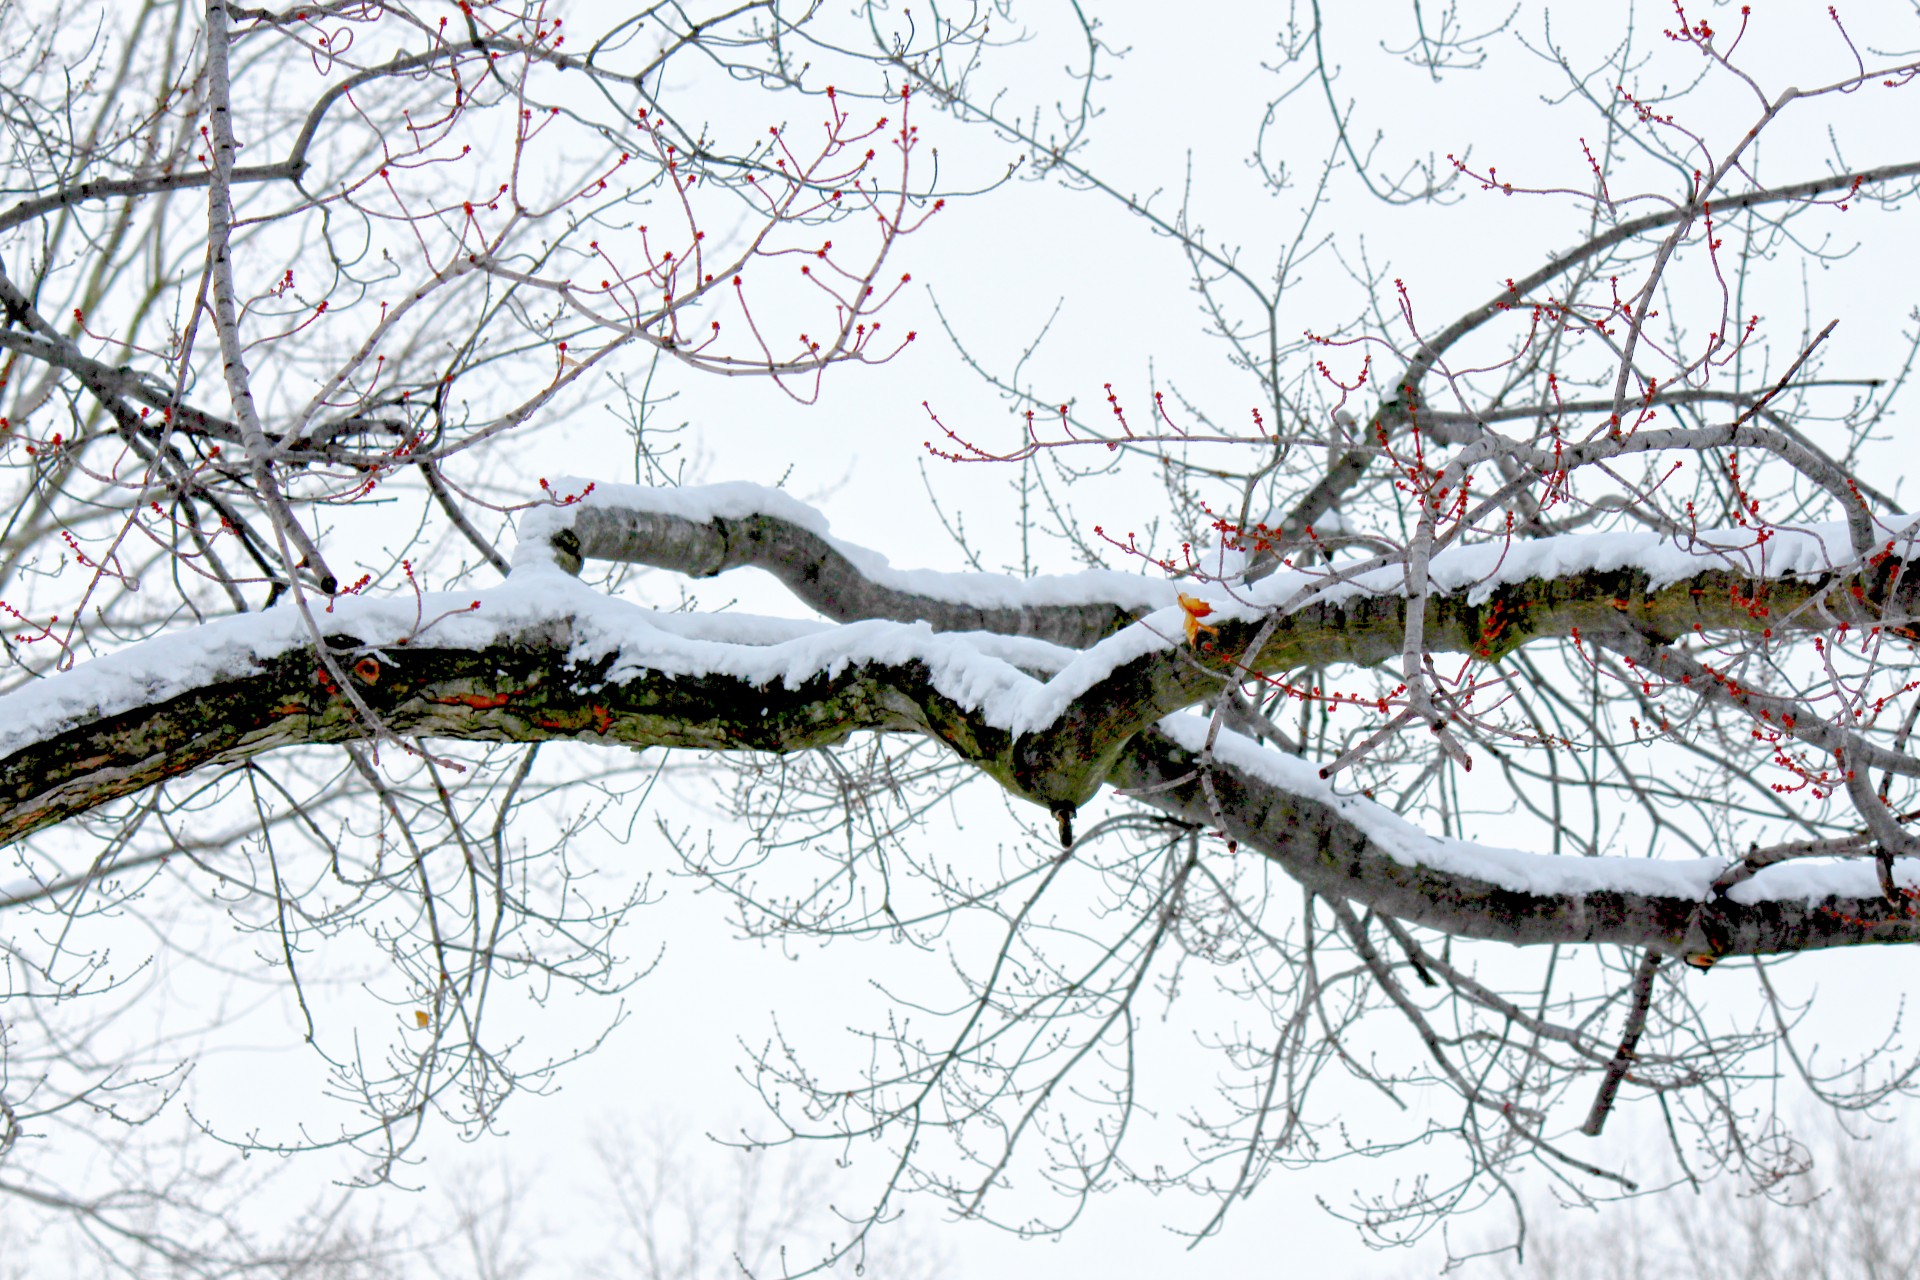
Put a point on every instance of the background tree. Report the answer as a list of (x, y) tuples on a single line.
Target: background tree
[(1845, 1216), (292, 296)]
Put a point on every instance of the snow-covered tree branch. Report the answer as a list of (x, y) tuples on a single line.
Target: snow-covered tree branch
[(1549, 588), (987, 666)]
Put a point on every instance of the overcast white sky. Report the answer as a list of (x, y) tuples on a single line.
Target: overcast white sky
[(1187, 97)]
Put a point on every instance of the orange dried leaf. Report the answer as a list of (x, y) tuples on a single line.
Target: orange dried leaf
[(1195, 609), (421, 1018)]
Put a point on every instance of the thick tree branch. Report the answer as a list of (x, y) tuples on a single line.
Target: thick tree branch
[(525, 687), (1066, 759), (547, 658), (1329, 853), (848, 583), (1129, 683), (520, 688)]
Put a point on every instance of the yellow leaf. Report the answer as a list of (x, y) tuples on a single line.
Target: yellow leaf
[(421, 1018)]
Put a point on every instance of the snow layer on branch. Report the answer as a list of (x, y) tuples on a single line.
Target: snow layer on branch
[(1479, 570), (991, 675), (737, 500), (732, 500), (988, 674), (985, 672), (977, 671), (1809, 880)]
